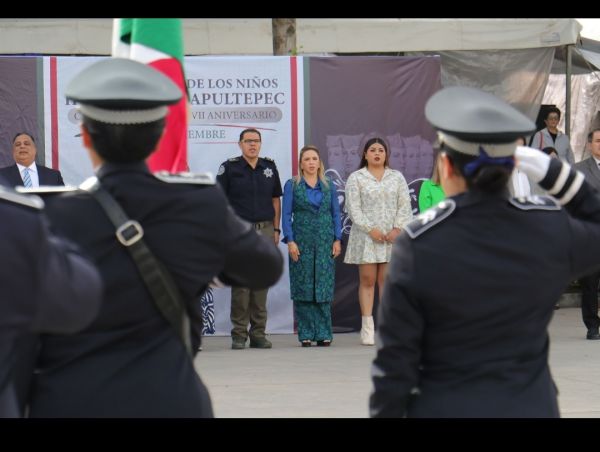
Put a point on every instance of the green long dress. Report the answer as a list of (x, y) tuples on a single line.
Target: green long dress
[(312, 276)]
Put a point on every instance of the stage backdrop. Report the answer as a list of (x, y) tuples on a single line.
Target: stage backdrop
[(352, 99), (335, 103)]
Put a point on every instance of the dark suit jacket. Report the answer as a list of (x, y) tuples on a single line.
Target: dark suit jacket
[(47, 176), (590, 170)]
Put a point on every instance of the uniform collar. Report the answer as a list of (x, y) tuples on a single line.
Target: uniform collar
[(366, 172), (317, 185), (471, 197), (260, 162), (108, 168), (558, 132), (32, 167)]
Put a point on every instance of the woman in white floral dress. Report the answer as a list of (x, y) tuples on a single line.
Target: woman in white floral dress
[(378, 204)]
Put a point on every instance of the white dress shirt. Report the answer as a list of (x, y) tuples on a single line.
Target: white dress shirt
[(33, 173)]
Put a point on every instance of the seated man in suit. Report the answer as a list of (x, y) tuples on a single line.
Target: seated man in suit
[(25, 171)]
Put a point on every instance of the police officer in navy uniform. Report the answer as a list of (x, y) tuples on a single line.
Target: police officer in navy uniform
[(253, 187), (47, 287), (472, 283), (130, 362)]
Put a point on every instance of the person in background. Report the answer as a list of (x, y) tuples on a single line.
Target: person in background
[(431, 191), (253, 188), (133, 360), (551, 136), (464, 320), (25, 171), (312, 229), (590, 168), (378, 203)]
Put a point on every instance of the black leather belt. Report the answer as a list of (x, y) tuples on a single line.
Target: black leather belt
[(262, 224)]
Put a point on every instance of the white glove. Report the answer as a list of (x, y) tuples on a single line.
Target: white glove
[(532, 162)]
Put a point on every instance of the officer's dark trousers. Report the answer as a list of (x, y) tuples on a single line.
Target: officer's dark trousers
[(250, 306), (589, 299)]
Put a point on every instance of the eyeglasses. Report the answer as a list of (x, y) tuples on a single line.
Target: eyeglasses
[(552, 117), (251, 141)]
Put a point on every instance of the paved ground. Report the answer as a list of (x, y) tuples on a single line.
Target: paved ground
[(291, 381)]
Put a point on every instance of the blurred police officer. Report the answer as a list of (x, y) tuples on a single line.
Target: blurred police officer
[(253, 187), (130, 362), (47, 286), (468, 337)]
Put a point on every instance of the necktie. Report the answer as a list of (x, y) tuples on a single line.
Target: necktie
[(27, 178)]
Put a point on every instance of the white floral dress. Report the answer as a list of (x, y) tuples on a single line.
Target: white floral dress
[(377, 204)]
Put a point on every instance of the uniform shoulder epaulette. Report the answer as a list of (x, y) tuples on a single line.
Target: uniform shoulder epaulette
[(535, 203), (44, 189), (31, 201), (269, 159), (428, 219), (233, 159), (186, 178)]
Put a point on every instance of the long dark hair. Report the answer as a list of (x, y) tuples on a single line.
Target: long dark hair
[(487, 178), (368, 144)]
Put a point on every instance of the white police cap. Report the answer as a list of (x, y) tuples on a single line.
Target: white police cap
[(123, 91), (469, 119)]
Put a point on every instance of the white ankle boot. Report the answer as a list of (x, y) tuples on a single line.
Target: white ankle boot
[(367, 332)]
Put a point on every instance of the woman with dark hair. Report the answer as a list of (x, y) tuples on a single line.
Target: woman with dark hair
[(463, 328), (551, 136), (378, 203), (313, 231)]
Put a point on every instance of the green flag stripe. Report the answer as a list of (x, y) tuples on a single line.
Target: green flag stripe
[(164, 35)]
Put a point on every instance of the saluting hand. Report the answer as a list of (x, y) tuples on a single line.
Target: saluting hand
[(294, 251)]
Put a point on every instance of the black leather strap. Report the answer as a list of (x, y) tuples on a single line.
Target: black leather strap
[(156, 277)]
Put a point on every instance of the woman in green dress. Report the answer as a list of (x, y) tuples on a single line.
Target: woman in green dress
[(431, 191), (312, 230)]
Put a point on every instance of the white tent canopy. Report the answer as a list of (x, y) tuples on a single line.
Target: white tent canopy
[(254, 36), (509, 57), (411, 35)]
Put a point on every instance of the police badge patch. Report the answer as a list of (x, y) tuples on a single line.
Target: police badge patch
[(268, 172), (221, 170), (535, 203), (430, 218)]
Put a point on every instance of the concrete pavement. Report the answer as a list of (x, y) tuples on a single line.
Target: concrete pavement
[(291, 381)]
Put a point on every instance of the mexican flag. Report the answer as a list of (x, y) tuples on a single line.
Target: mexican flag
[(159, 43)]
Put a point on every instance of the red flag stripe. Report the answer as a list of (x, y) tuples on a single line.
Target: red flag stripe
[(54, 112)]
